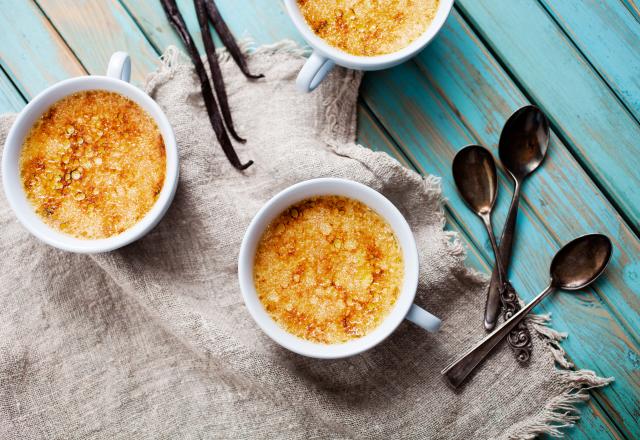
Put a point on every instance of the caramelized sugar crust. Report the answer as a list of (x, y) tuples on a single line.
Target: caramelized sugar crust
[(369, 27), (328, 269), (93, 164)]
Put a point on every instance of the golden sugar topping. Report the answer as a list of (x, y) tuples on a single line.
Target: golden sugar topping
[(328, 269), (369, 27), (93, 164)]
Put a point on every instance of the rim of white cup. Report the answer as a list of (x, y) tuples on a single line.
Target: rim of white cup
[(318, 187), (12, 184), (369, 62)]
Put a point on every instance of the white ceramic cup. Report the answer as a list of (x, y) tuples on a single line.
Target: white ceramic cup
[(404, 308), (116, 80), (325, 56)]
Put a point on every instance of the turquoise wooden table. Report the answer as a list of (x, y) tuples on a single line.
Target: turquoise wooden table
[(578, 60)]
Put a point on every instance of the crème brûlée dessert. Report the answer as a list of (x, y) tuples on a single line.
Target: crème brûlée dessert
[(93, 164), (328, 269), (368, 27)]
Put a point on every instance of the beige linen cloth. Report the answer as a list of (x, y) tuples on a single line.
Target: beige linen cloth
[(154, 341)]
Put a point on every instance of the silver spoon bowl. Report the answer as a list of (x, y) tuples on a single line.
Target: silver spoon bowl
[(523, 146), (575, 266), (474, 172), (524, 141)]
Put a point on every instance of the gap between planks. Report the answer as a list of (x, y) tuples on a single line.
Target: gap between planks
[(588, 59), (610, 125), (607, 192)]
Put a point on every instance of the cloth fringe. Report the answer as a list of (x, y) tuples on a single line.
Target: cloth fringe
[(561, 411)]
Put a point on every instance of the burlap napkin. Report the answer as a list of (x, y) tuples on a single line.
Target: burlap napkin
[(153, 340)]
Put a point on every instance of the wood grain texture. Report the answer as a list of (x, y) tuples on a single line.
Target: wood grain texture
[(560, 194), (633, 7), (263, 21), (586, 113), (96, 29), (151, 18), (608, 35), (10, 99), (32, 52)]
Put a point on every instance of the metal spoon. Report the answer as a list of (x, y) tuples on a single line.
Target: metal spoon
[(474, 172), (579, 263), (523, 146)]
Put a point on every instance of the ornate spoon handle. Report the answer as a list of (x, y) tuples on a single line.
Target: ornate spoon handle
[(492, 306), (519, 338), (458, 371), (501, 292)]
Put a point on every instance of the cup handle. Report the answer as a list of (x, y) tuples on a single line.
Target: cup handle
[(313, 72), (424, 319), (120, 66)]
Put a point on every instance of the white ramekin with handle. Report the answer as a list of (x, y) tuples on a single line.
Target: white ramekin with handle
[(116, 80), (404, 307), (325, 56)]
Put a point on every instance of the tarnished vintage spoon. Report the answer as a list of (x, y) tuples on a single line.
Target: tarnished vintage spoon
[(576, 265), (474, 172), (523, 145)]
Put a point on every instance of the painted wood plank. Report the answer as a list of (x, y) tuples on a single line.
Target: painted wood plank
[(235, 29), (32, 53), (597, 127), (260, 20), (263, 20), (608, 35), (10, 98), (593, 424), (151, 18), (429, 132), (561, 194), (633, 7), (96, 29)]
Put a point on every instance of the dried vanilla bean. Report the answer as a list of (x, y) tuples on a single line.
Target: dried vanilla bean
[(173, 14), (227, 39), (214, 66)]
